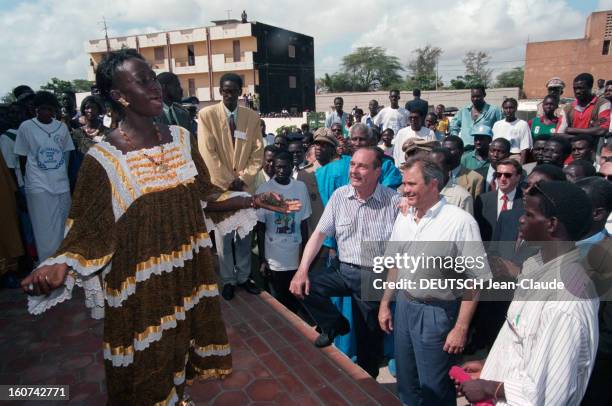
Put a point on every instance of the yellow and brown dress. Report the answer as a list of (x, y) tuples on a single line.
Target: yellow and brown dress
[(137, 242)]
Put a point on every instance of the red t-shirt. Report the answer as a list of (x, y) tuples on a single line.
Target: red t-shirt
[(581, 116)]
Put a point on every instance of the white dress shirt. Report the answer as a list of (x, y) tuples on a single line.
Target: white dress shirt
[(545, 351), (500, 201), (405, 133)]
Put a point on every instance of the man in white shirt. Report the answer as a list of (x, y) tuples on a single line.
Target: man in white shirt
[(415, 130), (430, 326), (394, 116), (545, 351), (43, 144), (514, 130)]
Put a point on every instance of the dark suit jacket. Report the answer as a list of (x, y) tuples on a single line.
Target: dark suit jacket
[(483, 172), (182, 116), (485, 211)]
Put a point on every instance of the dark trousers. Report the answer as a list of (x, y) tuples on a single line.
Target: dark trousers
[(278, 283), (347, 281), (420, 331), (598, 392)]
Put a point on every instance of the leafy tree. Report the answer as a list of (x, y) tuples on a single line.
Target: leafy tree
[(476, 67), (511, 78), (422, 68), (82, 85), (368, 66), (8, 98), (56, 85), (338, 82)]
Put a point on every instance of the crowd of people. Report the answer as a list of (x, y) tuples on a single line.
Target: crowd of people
[(129, 211)]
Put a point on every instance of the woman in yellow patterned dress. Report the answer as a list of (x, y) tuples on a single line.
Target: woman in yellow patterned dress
[(137, 241)]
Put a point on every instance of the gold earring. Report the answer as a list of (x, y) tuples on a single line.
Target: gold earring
[(123, 102)]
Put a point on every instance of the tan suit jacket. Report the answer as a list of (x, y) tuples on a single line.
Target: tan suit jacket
[(225, 161), (471, 181)]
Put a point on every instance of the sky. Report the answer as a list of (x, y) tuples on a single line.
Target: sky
[(45, 38)]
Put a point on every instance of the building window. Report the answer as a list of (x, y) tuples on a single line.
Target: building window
[(190, 55), (608, 29), (236, 45), (159, 53), (291, 51), (192, 88), (292, 82), (606, 47)]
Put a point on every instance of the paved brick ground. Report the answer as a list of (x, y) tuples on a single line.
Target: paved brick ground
[(274, 360)]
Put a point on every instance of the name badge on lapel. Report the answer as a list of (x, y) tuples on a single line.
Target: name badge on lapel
[(240, 135)]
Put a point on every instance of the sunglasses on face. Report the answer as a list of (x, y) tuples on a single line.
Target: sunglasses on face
[(506, 175), (607, 177)]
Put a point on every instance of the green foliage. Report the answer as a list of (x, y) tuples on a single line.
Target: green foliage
[(286, 129), (423, 68), (57, 86), (338, 82), (82, 85), (8, 98), (366, 68), (476, 70), (511, 78)]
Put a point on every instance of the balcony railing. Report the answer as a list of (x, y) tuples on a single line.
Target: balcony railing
[(184, 62)]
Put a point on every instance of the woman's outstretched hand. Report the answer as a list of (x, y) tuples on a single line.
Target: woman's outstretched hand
[(45, 279), (275, 202)]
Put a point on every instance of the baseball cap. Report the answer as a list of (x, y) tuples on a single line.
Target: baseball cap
[(482, 130), (555, 82), (324, 135)]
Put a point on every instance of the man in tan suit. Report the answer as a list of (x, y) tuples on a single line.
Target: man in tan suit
[(229, 140), (462, 176)]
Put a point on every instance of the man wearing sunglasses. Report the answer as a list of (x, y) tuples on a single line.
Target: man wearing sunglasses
[(508, 196)]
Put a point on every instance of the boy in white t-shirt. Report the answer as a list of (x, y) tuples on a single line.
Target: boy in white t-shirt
[(43, 144), (514, 130), (284, 234)]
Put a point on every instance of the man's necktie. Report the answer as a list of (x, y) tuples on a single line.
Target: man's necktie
[(232, 126), (493, 184), (505, 204)]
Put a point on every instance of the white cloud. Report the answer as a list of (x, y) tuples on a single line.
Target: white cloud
[(499, 27), (44, 38)]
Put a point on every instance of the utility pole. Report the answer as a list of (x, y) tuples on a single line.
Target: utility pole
[(437, 61), (228, 14), (106, 34)]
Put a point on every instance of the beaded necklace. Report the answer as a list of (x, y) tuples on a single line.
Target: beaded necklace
[(159, 166)]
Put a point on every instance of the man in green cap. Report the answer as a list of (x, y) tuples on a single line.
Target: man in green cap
[(479, 156)]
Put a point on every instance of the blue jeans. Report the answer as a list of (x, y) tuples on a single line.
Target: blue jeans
[(420, 331)]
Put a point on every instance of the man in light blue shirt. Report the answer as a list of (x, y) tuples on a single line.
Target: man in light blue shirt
[(338, 116), (477, 113)]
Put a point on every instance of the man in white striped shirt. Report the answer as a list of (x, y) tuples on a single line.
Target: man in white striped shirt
[(545, 351), (361, 211)]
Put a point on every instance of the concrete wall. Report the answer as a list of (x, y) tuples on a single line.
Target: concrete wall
[(568, 58), (449, 98)]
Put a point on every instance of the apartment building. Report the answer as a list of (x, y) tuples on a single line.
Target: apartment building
[(274, 63), (568, 57)]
